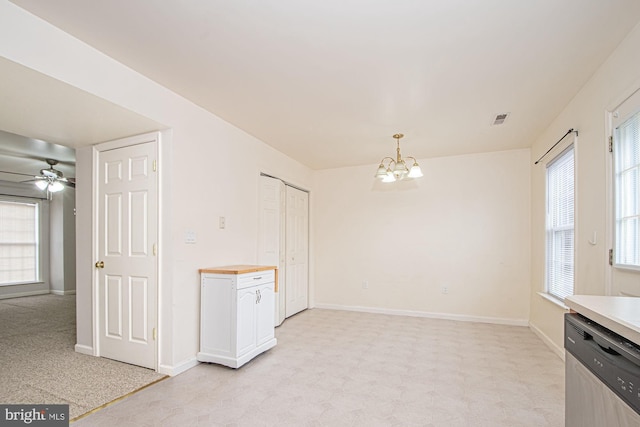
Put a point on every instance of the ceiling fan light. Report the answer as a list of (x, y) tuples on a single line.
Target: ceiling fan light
[(56, 186), (415, 171), (41, 184)]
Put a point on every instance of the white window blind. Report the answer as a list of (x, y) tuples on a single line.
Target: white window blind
[(627, 186), (18, 242), (560, 225)]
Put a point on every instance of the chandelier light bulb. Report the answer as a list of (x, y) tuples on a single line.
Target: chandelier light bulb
[(382, 172), (389, 176), (415, 171)]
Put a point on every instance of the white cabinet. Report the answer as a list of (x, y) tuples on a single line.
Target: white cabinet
[(236, 313)]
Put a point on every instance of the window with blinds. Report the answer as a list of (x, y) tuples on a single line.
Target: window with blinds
[(560, 225), (18, 242), (627, 186)]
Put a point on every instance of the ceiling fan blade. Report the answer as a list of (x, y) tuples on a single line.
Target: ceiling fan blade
[(51, 175), (34, 178), (17, 173)]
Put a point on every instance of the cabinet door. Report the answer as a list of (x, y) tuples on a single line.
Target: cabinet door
[(216, 315), (246, 318), (264, 314)]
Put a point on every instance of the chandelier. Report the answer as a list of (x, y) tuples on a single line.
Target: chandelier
[(396, 169)]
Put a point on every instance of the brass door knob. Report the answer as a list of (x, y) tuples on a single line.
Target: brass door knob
[(100, 264)]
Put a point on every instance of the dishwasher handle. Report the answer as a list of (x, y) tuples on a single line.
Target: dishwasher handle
[(605, 342), (604, 346)]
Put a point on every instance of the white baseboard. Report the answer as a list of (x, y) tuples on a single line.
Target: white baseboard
[(178, 369), (83, 349), (162, 369), (445, 316), (24, 294), (56, 292), (552, 346)]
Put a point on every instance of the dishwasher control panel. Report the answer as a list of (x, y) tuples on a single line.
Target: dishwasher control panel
[(613, 359)]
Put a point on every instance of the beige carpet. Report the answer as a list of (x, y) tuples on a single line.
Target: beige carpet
[(38, 363)]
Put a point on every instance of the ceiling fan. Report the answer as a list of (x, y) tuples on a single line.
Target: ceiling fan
[(50, 179)]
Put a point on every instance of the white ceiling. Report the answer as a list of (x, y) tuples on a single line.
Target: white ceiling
[(55, 118), (328, 82)]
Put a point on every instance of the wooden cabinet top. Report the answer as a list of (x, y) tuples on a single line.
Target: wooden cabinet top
[(237, 269)]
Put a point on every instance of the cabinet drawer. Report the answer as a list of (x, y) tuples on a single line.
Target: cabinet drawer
[(257, 278)]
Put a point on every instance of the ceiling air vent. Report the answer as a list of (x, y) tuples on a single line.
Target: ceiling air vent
[(500, 119)]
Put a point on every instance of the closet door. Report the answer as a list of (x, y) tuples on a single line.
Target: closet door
[(271, 239), (297, 244)]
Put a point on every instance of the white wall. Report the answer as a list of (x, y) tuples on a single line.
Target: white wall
[(56, 244), (69, 223), (84, 264), (614, 81), (63, 242), (208, 169), (464, 225)]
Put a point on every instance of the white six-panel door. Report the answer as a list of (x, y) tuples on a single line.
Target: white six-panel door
[(271, 239), (297, 244), (127, 205), (284, 241)]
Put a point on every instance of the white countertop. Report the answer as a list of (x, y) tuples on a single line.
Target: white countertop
[(620, 314)]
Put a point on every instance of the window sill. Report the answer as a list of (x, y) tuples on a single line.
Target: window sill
[(553, 300), (627, 268), (21, 283)]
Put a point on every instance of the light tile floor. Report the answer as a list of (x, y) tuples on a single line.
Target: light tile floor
[(338, 368)]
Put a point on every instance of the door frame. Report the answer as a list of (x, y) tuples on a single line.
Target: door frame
[(610, 287), (155, 137)]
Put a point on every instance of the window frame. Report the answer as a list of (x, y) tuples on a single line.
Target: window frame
[(42, 250), (615, 150), (570, 146)]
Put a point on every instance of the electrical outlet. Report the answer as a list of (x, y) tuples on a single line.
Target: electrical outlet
[(445, 289), (365, 284), (222, 222)]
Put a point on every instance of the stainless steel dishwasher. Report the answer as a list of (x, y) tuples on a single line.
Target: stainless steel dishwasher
[(602, 376)]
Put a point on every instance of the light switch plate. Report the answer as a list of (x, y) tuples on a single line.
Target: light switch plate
[(189, 236)]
